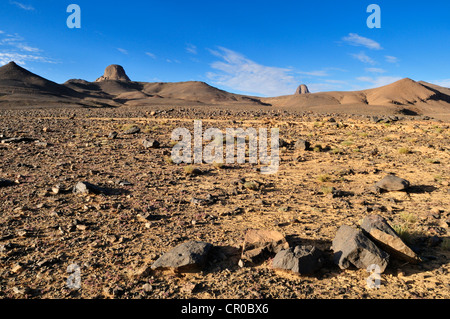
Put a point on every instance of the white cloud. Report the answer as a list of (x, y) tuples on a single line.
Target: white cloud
[(22, 6), (314, 73), (151, 55), (379, 81), (375, 70), (444, 83), (22, 59), (357, 40), (191, 49), (14, 48), (123, 51), (242, 74), (363, 58), (391, 59)]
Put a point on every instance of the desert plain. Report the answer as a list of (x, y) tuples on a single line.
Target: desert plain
[(53, 136)]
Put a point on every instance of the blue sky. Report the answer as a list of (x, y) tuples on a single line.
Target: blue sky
[(263, 48)]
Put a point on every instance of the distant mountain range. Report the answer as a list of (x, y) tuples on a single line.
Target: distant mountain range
[(20, 88)]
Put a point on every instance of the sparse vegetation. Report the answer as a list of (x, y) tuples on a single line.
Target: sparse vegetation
[(408, 217), (251, 185), (403, 231), (347, 142), (445, 243), (404, 150), (323, 178), (192, 170)]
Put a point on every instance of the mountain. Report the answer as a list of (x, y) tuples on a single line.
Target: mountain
[(404, 96), (21, 88), (17, 80)]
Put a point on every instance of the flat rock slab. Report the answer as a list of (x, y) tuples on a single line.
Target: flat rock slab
[(304, 260), (17, 140), (132, 130), (352, 247), (393, 183), (260, 244), (187, 257), (378, 229)]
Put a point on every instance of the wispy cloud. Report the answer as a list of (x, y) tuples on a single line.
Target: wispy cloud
[(191, 48), (443, 83), (123, 51), (22, 6), (314, 73), (379, 81), (153, 56), (391, 59), (357, 40), (13, 47), (22, 59), (375, 70), (363, 58), (239, 73)]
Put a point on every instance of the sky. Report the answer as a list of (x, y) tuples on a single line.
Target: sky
[(260, 48)]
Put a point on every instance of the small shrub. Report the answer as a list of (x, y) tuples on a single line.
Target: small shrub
[(336, 151), (254, 186), (364, 134), (327, 190), (324, 178), (347, 142), (192, 170), (403, 232), (168, 159), (408, 217), (218, 165), (445, 244), (317, 148), (404, 150)]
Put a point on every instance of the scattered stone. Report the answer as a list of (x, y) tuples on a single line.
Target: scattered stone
[(87, 188), (302, 145), (147, 288), (261, 244), (17, 269), (150, 143), (6, 183), (378, 229), (392, 183), (352, 247), (187, 257), (132, 130), (18, 140), (304, 260), (113, 135)]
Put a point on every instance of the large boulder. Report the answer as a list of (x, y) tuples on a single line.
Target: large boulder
[(187, 257), (378, 229), (304, 260), (114, 72), (352, 247), (261, 243)]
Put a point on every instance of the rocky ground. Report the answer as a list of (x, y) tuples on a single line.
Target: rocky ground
[(147, 205)]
